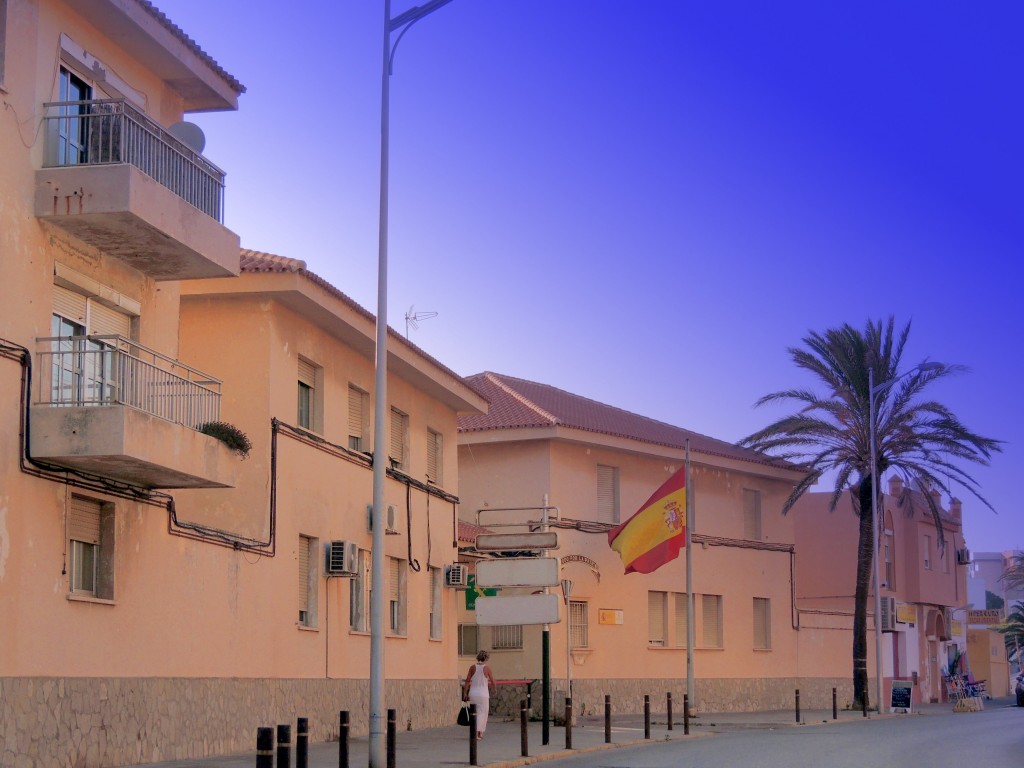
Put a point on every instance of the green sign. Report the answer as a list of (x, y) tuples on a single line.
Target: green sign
[(473, 592)]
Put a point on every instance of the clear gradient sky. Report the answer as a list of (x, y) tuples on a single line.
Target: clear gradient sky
[(646, 203)]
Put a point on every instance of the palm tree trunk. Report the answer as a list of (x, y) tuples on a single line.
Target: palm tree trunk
[(865, 553)]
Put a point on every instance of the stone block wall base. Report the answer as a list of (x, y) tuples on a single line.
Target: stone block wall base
[(100, 722)]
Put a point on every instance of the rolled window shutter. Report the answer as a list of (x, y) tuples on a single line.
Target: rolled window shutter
[(303, 573), (355, 412), (606, 494), (69, 305), (681, 620), (307, 373), (398, 436), (712, 621), (656, 618), (106, 321), (393, 575), (84, 520)]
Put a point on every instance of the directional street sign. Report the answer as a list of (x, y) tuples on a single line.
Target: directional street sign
[(514, 542), (522, 609), (518, 572)]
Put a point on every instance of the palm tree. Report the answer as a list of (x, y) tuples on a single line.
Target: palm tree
[(1012, 629), (830, 434), (1013, 576)]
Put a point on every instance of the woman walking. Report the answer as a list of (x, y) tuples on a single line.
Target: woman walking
[(477, 690)]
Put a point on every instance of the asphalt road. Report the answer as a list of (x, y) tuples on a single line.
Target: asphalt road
[(990, 739)]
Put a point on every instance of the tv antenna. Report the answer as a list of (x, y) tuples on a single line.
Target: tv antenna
[(412, 319)]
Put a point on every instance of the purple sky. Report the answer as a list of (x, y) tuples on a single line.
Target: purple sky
[(647, 203)]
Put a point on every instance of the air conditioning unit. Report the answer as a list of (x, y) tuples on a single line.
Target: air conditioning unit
[(390, 525), (456, 575), (342, 558), (888, 617), (963, 556)]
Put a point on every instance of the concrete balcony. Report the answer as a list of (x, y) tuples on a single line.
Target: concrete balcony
[(122, 184), (112, 408)]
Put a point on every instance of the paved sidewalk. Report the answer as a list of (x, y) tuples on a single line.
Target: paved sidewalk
[(501, 746)]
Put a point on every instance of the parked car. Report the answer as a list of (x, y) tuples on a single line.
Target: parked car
[(1020, 690)]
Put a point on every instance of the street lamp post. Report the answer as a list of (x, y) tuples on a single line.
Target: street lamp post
[(401, 24), (873, 391)]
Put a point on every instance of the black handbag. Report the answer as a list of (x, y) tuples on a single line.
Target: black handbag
[(463, 718)]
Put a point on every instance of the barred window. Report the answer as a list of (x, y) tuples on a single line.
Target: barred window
[(506, 637), (578, 637)]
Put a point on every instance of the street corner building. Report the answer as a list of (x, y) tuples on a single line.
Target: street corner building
[(185, 470), (590, 466)]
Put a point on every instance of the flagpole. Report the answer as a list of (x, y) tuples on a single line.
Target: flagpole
[(688, 533)]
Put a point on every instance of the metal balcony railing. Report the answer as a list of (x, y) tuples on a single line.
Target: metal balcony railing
[(111, 131), (113, 370)]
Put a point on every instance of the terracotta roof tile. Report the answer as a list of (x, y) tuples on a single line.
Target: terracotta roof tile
[(255, 262), (468, 532), (178, 32), (518, 404)]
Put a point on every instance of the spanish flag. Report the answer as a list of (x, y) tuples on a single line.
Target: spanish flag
[(655, 534)]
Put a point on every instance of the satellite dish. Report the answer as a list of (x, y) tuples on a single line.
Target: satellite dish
[(189, 134)]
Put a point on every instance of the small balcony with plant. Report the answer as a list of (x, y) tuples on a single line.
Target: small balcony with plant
[(118, 181), (107, 406)]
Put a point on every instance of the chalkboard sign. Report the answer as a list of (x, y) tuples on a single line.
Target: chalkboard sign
[(899, 700)]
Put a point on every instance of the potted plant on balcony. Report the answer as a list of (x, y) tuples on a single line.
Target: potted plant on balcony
[(230, 435)]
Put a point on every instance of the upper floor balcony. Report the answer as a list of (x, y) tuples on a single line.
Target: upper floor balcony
[(120, 182), (111, 407)]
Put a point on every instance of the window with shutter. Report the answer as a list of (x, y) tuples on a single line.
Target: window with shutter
[(751, 514), (762, 624), (469, 642), (307, 581), (434, 456), (359, 594), (712, 621), (399, 430), (680, 619), (578, 624), (396, 595), (310, 403), (356, 419), (507, 637), (607, 494), (656, 618), (436, 592), (90, 532)]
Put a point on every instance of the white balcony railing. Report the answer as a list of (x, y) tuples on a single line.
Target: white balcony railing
[(111, 131), (112, 370)]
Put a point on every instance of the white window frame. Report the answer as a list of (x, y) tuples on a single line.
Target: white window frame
[(579, 624), (359, 595), (435, 457), (762, 616), (308, 580), (436, 602), (358, 415), (397, 596), (608, 510), (90, 542), (712, 609), (398, 439), (657, 621)]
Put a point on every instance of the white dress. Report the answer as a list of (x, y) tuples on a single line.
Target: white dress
[(480, 694)]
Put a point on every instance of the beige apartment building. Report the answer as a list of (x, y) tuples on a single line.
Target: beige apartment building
[(924, 583), (161, 595), (594, 465)]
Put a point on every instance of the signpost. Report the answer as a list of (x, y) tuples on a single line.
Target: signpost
[(900, 700), (518, 609)]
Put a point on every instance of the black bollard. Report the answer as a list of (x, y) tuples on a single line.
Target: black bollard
[(568, 723), (647, 716), (798, 706), (264, 748), (524, 741), (686, 714), (302, 743), (668, 705), (284, 746), (392, 735), (607, 718), (835, 708), (343, 739), (472, 734)]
